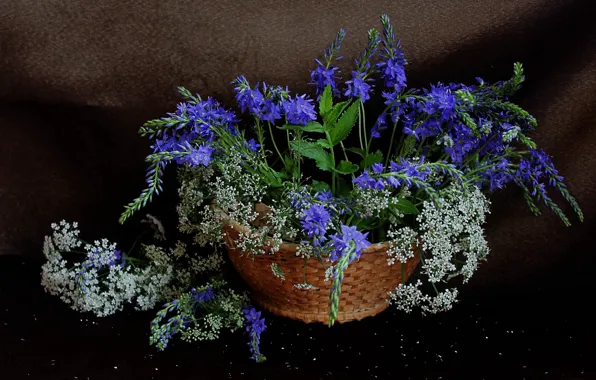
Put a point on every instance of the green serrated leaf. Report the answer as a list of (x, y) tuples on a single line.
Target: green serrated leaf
[(326, 101), (320, 186), (324, 143), (346, 167), (334, 113), (290, 166), (358, 151), (313, 151), (372, 159), (406, 207), (345, 123), (313, 126)]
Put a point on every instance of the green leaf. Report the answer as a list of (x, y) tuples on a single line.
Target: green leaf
[(346, 167), (320, 186), (406, 207), (326, 101), (371, 159), (344, 125), (358, 151), (290, 166), (324, 143), (313, 151), (334, 113), (313, 126)]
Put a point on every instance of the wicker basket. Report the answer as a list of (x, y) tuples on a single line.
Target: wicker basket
[(364, 292)]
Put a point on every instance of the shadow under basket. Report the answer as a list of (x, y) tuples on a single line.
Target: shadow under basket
[(364, 292)]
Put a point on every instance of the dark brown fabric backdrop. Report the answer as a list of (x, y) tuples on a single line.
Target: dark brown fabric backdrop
[(78, 78)]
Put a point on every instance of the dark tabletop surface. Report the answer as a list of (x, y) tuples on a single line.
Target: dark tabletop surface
[(538, 332)]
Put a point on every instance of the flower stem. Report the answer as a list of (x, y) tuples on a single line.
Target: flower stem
[(364, 127), (391, 144), (274, 144)]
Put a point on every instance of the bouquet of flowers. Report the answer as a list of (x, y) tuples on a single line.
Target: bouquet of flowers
[(415, 176)]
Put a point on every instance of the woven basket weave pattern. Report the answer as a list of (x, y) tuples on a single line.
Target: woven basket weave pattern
[(365, 288)]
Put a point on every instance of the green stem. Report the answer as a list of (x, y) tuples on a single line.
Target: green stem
[(274, 144), (391, 143), (364, 127), (333, 174), (360, 129)]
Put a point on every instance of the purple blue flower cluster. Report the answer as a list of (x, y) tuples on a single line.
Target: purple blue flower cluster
[(255, 325), (273, 103), (315, 222), (325, 74), (161, 334), (202, 297), (349, 242), (393, 59), (347, 246), (358, 86), (534, 173), (406, 173)]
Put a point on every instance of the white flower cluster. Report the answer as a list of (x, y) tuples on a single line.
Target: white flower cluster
[(407, 296), (277, 271), (304, 286), (452, 244), (106, 280), (208, 326), (306, 251), (372, 202), (452, 230), (329, 273), (400, 245)]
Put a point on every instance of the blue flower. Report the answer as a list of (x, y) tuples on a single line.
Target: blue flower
[(204, 296), (255, 325), (199, 156), (270, 111), (440, 101), (364, 180), (349, 238), (377, 168), (322, 76), (379, 126), (300, 110), (357, 87), (315, 221), (252, 145), (393, 72), (325, 196)]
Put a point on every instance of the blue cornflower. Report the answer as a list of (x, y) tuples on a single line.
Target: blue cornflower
[(378, 168), (315, 221), (349, 238), (394, 73), (270, 111), (357, 87), (440, 101), (379, 126), (325, 196), (255, 325), (364, 180), (252, 145), (204, 296), (199, 156), (392, 65), (300, 110), (324, 74)]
